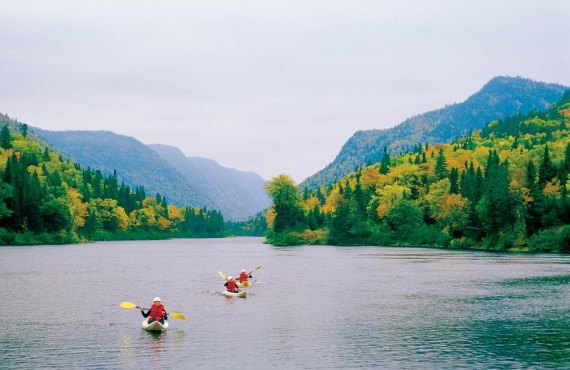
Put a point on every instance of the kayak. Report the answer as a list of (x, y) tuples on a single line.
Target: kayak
[(227, 294), (154, 326), (244, 284)]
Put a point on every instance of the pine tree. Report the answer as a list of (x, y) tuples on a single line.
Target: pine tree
[(441, 165), (5, 137), (453, 180), (546, 170), (24, 130), (385, 164)]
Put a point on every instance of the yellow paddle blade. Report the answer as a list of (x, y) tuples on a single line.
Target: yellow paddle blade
[(254, 270), (222, 275), (178, 315), (128, 305)]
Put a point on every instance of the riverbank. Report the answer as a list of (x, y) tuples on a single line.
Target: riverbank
[(552, 240)]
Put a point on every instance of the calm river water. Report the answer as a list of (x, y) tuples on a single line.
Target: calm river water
[(311, 307)]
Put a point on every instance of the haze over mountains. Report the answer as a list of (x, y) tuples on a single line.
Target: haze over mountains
[(238, 193), (501, 97), (196, 182)]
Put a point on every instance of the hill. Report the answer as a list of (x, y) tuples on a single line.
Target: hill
[(501, 97)]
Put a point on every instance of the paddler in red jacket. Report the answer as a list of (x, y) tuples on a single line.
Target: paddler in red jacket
[(156, 312), (243, 276), (231, 285)]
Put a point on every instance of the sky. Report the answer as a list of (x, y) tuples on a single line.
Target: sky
[(265, 86)]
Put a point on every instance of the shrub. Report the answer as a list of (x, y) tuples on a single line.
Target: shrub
[(554, 239)]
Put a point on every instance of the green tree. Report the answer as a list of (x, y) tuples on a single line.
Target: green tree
[(24, 130), (5, 138), (289, 214), (454, 181), (546, 170), (385, 164), (441, 165)]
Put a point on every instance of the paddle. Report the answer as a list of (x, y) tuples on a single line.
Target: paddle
[(176, 315), (254, 270)]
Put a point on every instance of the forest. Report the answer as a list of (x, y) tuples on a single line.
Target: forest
[(504, 187), (46, 199)]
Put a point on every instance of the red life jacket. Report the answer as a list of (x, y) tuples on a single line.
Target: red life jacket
[(156, 312), (243, 277), (231, 285)]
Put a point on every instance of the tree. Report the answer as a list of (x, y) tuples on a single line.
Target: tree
[(24, 130), (5, 137), (404, 216), (289, 214), (385, 164), (440, 165), (546, 170), (453, 181), (55, 214)]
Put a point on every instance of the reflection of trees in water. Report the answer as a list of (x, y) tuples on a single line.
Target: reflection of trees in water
[(126, 349), (177, 339)]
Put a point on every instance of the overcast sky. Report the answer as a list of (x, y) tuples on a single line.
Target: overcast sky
[(265, 86)]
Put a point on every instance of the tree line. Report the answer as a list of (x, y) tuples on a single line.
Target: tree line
[(503, 187)]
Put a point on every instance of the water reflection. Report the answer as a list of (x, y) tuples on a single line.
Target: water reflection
[(155, 341)]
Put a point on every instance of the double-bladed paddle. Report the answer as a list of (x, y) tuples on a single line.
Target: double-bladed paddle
[(176, 315)]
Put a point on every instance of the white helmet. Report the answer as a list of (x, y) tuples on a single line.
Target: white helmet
[(242, 270), (157, 299), (230, 278)]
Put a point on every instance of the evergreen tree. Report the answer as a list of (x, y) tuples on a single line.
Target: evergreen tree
[(546, 170), (5, 137), (441, 165), (385, 164), (453, 180), (24, 130)]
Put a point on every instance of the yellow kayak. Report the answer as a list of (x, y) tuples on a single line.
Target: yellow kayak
[(244, 284)]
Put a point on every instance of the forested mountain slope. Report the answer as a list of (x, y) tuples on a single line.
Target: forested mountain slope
[(197, 181), (46, 198), (501, 188), (501, 97), (134, 162)]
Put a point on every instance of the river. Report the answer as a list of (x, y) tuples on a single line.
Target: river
[(310, 307)]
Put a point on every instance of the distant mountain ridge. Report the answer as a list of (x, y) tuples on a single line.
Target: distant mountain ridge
[(228, 188), (501, 97), (204, 183)]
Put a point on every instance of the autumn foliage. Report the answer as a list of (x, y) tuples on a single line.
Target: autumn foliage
[(504, 187)]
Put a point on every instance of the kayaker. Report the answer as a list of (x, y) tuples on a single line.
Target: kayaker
[(231, 285), (243, 276), (156, 312)]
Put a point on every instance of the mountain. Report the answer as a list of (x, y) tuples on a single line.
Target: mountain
[(48, 199), (234, 192), (504, 187), (203, 183), (501, 97), (135, 162)]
